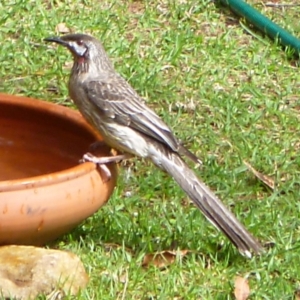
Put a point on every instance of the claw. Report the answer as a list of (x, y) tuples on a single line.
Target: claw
[(105, 173)]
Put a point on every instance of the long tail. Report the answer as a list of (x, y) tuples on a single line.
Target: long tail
[(209, 204)]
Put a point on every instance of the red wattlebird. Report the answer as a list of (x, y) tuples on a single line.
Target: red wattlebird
[(113, 107)]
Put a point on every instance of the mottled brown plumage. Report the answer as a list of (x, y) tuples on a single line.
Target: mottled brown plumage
[(113, 107)]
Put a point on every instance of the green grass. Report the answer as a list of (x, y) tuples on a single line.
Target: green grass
[(230, 96)]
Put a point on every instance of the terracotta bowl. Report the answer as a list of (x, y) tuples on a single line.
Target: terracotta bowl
[(44, 190)]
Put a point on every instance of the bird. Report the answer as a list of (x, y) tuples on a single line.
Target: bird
[(113, 107)]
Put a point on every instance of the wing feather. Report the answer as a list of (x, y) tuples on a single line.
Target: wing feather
[(117, 100)]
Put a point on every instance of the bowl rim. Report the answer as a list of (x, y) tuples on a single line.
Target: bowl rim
[(55, 177)]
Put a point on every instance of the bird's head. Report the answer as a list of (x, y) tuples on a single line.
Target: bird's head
[(86, 50)]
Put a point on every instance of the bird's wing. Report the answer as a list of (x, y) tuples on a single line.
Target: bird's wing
[(117, 100)]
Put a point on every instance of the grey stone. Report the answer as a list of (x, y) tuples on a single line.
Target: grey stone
[(26, 272)]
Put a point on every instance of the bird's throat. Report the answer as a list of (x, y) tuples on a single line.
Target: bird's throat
[(80, 66)]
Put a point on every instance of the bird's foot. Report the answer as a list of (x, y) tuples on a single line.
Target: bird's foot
[(102, 161)]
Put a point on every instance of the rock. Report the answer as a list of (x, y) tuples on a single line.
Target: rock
[(26, 272)]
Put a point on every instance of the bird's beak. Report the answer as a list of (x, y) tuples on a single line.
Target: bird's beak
[(58, 40)]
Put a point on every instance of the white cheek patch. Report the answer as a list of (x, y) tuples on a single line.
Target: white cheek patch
[(79, 50), (83, 50)]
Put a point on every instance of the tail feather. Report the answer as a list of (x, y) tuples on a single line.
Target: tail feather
[(209, 204)]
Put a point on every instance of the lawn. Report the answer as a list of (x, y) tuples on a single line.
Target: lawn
[(230, 95)]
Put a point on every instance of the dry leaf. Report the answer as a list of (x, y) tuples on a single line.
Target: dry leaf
[(123, 278), (62, 28), (162, 259), (264, 178), (241, 288)]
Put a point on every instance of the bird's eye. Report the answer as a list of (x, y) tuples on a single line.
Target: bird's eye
[(80, 43)]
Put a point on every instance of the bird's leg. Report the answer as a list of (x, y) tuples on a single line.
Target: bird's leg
[(102, 161), (105, 159)]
